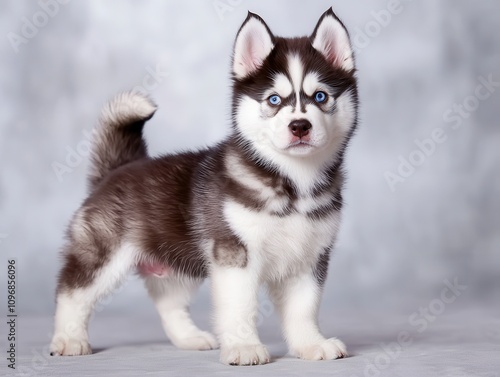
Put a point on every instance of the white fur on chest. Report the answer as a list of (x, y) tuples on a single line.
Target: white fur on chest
[(279, 247)]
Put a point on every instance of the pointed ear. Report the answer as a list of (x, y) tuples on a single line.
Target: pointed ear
[(330, 37), (254, 43)]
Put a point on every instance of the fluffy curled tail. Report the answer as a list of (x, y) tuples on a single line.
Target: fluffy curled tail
[(118, 138)]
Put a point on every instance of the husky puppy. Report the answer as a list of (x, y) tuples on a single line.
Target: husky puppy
[(260, 208)]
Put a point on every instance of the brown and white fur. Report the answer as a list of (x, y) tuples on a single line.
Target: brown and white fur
[(260, 208)]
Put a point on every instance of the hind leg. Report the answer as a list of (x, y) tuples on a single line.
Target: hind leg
[(80, 287), (172, 296)]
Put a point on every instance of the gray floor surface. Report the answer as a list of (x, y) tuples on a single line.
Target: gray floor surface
[(457, 344)]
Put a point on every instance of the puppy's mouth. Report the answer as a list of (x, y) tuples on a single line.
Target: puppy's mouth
[(299, 145)]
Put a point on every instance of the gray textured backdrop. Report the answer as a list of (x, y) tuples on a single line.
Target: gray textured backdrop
[(439, 221)]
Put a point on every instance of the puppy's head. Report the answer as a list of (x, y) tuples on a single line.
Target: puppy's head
[(294, 97)]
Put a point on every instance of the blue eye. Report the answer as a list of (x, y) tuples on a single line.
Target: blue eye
[(320, 97), (274, 100)]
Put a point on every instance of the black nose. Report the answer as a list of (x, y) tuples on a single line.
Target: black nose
[(300, 127)]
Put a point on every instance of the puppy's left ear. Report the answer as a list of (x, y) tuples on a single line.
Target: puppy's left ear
[(253, 45), (330, 37)]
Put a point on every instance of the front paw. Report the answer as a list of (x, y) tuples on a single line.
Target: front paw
[(244, 354), (328, 349), (200, 340), (64, 346)]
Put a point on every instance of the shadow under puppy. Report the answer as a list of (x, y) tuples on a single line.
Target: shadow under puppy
[(261, 207)]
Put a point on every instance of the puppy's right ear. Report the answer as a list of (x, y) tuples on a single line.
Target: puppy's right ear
[(253, 45)]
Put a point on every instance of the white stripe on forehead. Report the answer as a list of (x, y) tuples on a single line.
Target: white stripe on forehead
[(296, 71), (282, 85)]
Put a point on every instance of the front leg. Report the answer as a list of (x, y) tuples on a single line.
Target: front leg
[(297, 300), (234, 291)]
